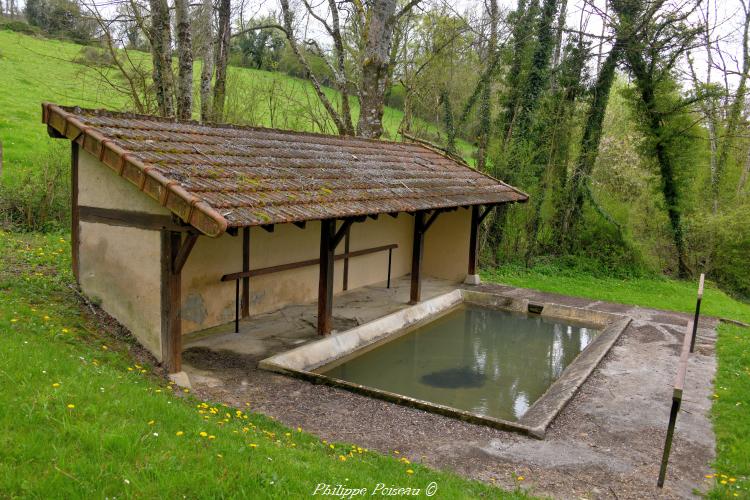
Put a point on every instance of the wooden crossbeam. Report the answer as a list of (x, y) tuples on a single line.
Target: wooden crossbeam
[(252, 273), (128, 218)]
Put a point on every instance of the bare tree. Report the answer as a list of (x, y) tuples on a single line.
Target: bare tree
[(160, 36), (185, 57), (372, 26), (223, 41), (206, 32)]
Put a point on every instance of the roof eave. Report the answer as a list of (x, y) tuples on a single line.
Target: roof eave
[(168, 194)]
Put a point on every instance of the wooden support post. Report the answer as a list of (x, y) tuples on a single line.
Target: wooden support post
[(474, 241), (477, 217), (346, 259), (171, 327), (75, 223), (416, 258), (390, 257), (325, 283), (246, 268), (694, 332)]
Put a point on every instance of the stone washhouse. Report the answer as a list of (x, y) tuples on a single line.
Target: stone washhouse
[(178, 226)]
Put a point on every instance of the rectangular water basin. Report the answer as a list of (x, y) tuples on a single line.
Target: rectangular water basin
[(475, 356), (487, 361)]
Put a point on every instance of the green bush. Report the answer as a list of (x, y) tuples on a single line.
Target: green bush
[(40, 200), (19, 27)]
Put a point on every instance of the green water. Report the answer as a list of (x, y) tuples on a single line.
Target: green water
[(489, 362)]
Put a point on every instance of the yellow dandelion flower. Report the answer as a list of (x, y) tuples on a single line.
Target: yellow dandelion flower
[(46, 318), (186, 390), (409, 471), (520, 478), (253, 445), (342, 458), (130, 369), (56, 385), (203, 434), (179, 433), (14, 320), (287, 434), (396, 452), (732, 480), (151, 422), (65, 330), (723, 481), (211, 437), (71, 406), (157, 390), (299, 429), (331, 446), (104, 347)]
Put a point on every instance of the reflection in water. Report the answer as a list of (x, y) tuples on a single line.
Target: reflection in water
[(485, 361)]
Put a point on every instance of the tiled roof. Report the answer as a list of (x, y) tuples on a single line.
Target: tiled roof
[(219, 176)]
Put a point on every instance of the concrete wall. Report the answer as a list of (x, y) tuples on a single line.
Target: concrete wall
[(120, 267)]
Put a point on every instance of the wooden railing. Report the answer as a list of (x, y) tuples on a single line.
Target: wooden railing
[(236, 277), (688, 346)]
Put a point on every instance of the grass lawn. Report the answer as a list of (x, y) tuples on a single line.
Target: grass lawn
[(81, 419), (731, 407)]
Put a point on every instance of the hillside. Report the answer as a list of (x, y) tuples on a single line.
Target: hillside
[(33, 70)]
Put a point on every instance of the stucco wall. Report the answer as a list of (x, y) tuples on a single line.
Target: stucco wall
[(120, 266), (208, 302), (446, 246)]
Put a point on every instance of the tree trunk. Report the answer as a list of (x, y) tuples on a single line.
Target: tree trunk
[(734, 117), (539, 73), (485, 103), (375, 62), (222, 59), (341, 82), (185, 57), (207, 53), (161, 53), (523, 18), (592, 134)]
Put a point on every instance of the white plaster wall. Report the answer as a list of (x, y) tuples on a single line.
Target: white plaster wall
[(446, 246), (100, 186), (120, 267)]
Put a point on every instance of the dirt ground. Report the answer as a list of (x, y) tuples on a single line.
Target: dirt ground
[(606, 443)]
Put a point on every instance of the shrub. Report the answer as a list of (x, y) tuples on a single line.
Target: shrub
[(40, 201), (93, 57), (19, 27)]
